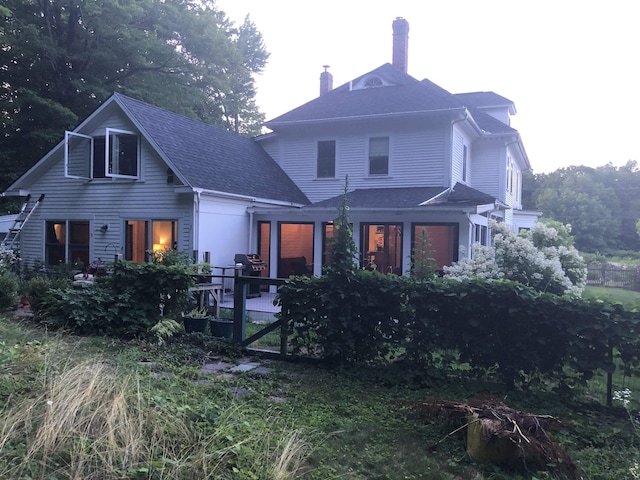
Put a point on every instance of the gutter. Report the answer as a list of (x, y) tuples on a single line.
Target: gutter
[(394, 210)]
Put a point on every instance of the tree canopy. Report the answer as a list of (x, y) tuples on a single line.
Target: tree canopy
[(602, 205), (60, 59)]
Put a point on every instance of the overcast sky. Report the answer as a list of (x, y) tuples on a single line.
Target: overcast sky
[(570, 66)]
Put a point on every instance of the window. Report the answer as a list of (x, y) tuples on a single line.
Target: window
[(264, 245), (93, 157), (373, 82), (328, 232), (121, 154), (326, 159), (443, 241), (509, 175), (379, 156), (98, 157), (381, 247), (145, 237), (295, 256), (67, 242), (481, 234)]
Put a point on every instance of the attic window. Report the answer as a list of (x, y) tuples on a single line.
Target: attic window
[(373, 82), (94, 157)]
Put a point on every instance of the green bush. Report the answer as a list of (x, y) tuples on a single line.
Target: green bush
[(8, 290), (126, 303), (38, 289), (495, 326)]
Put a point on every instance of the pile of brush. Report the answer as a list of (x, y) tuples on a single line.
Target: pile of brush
[(498, 434)]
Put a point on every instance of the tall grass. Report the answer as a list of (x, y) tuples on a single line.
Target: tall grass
[(93, 421)]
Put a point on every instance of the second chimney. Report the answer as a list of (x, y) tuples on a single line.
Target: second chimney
[(326, 81), (400, 43)]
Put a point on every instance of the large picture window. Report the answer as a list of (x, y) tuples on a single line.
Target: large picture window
[(379, 156), (144, 238), (326, 159), (381, 247), (442, 240), (67, 241), (295, 256)]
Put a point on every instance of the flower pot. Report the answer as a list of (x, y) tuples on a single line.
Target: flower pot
[(195, 324), (221, 328)]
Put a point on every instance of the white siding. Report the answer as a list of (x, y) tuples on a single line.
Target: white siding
[(416, 158), (223, 229), (489, 160)]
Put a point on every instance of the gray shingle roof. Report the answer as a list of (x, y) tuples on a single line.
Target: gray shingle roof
[(490, 124), (211, 158), (405, 96), (383, 198), (485, 100)]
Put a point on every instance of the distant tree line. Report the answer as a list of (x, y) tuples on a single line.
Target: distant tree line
[(60, 59), (601, 205)]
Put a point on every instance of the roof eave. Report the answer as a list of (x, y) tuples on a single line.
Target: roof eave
[(236, 196), (322, 121)]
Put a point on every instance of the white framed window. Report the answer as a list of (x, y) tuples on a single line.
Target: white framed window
[(379, 156), (87, 157), (326, 166)]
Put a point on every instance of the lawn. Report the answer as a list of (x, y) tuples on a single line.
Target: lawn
[(628, 298), (86, 407)]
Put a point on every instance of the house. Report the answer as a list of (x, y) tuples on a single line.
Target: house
[(133, 178)]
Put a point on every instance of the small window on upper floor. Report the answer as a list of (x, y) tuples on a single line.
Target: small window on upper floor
[(379, 156), (93, 157), (510, 174), (373, 82), (465, 164), (326, 166), (121, 154)]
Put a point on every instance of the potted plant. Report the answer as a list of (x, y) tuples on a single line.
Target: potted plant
[(221, 327), (196, 320)]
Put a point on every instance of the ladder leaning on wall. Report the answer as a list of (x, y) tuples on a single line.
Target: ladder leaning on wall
[(11, 238)]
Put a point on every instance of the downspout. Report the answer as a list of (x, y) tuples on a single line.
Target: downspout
[(196, 223), (250, 210)]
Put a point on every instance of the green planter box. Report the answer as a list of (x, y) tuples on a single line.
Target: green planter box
[(221, 328)]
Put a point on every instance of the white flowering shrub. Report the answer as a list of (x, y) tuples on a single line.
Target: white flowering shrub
[(8, 259), (551, 267)]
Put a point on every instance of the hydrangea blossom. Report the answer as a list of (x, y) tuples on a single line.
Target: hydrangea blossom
[(551, 267)]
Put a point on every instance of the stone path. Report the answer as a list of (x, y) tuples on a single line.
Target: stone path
[(219, 368)]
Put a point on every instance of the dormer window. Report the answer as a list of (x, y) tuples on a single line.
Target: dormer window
[(373, 82)]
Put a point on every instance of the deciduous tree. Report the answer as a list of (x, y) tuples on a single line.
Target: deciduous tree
[(60, 59)]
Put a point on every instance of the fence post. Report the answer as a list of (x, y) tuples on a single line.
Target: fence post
[(239, 304), (610, 377)]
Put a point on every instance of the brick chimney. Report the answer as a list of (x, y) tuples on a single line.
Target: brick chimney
[(400, 43), (326, 81)]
